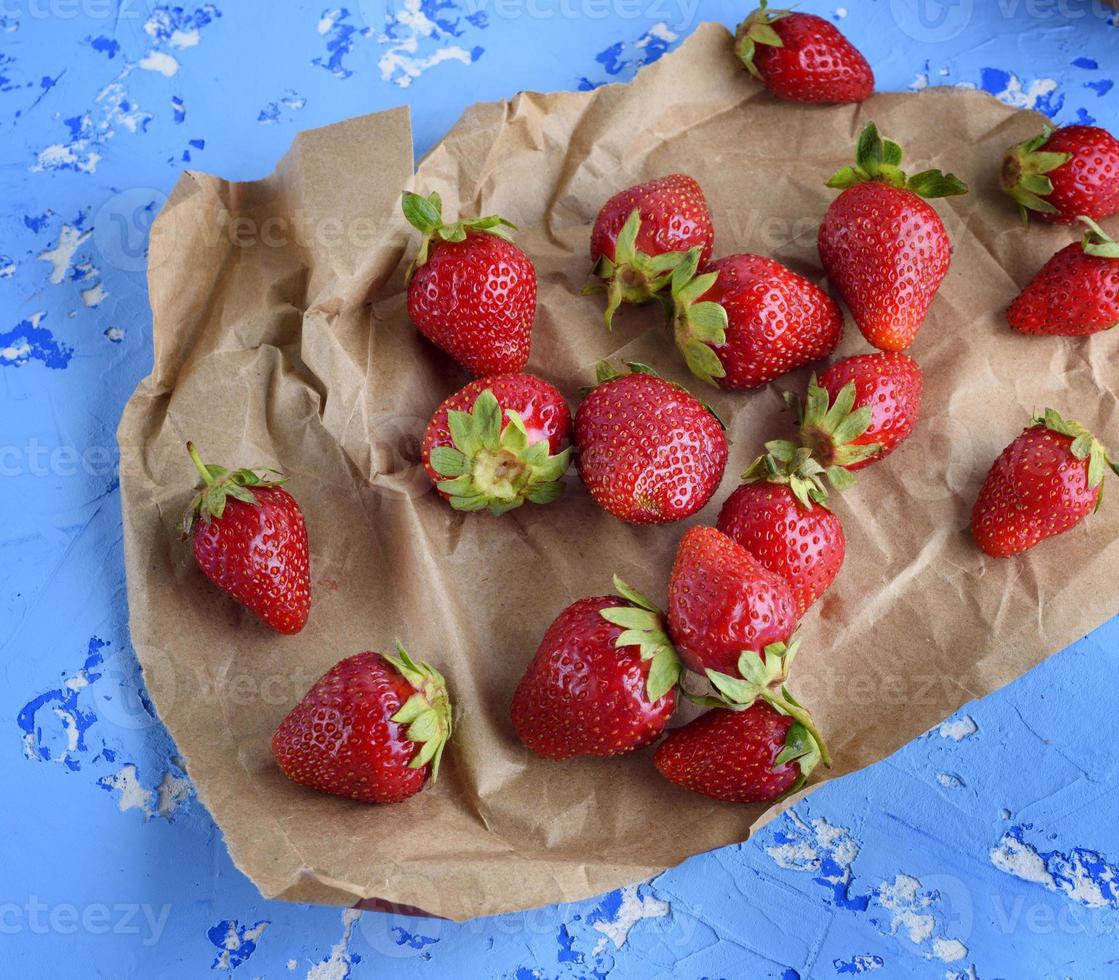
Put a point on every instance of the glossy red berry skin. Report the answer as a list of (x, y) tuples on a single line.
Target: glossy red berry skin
[(674, 218), (1088, 184), (815, 64), (1036, 489), (1074, 295), (806, 547), (886, 251), (476, 300), (257, 553), (777, 320), (891, 384), (541, 406), (582, 695), (648, 452), (730, 755), (341, 739), (722, 601)]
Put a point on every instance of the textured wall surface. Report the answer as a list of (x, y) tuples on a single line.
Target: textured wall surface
[(987, 849)]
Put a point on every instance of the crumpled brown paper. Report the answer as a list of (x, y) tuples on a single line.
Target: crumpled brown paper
[(267, 351)]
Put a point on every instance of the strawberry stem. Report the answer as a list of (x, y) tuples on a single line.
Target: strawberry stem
[(784, 702), (202, 468)]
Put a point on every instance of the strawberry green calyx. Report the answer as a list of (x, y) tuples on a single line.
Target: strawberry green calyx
[(1097, 242), (757, 29), (763, 678), (632, 276), (221, 484), (698, 325), (880, 159), (787, 464), (426, 215), (1025, 170), (494, 467), (1084, 446), (828, 431), (644, 627), (427, 713)]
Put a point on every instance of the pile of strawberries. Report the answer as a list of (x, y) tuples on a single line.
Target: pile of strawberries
[(611, 670)]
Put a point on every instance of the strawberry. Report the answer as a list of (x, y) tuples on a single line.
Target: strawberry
[(802, 57), (648, 452), (723, 601), (642, 233), (372, 728), (1076, 293), (1044, 483), (884, 248), (789, 531), (603, 680), (471, 291), (1060, 175), (756, 755), (497, 443), (747, 320), (249, 539), (860, 411)]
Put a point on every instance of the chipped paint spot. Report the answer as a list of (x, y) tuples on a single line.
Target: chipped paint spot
[(958, 728), (95, 295), (291, 101), (1081, 875), (236, 943), (29, 341), (821, 849), (863, 963), (622, 60), (337, 964), (161, 62), (70, 719), (948, 950), (950, 780), (631, 909), (162, 801), (905, 900), (1040, 94), (70, 239), (408, 30)]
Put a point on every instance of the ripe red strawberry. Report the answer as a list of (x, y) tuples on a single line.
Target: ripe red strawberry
[(642, 233), (884, 248), (1044, 483), (1060, 175), (372, 728), (250, 541), (723, 601), (860, 411), (747, 320), (787, 530), (603, 680), (471, 291), (498, 442), (1076, 293), (802, 57), (755, 755), (648, 452)]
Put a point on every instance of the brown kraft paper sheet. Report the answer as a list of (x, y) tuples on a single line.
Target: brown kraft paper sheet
[(282, 339)]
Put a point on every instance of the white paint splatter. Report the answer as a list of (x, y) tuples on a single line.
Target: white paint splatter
[(184, 39), (1084, 876), (233, 942), (329, 19), (115, 334), (163, 801), (948, 950), (1026, 97), (631, 911), (660, 32), (949, 780), (958, 728), (161, 62), (905, 901), (17, 353), (292, 964), (337, 965), (70, 239), (95, 295), (840, 13), (401, 64)]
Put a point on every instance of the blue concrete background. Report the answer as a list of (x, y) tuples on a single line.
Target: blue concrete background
[(987, 849)]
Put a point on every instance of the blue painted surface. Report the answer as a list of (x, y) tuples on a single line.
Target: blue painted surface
[(987, 849)]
